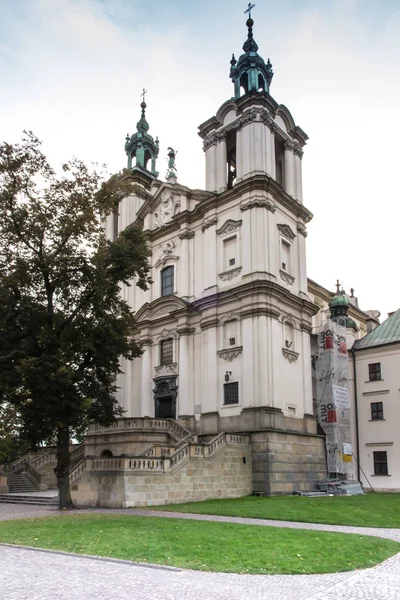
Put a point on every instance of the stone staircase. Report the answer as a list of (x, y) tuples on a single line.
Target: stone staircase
[(32, 499), (19, 483)]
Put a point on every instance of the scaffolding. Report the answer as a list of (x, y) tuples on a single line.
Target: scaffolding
[(333, 405)]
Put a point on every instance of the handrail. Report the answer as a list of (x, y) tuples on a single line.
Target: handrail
[(140, 424)]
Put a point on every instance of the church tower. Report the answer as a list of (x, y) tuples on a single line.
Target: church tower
[(141, 149)]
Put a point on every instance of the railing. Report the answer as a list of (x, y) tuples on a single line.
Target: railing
[(156, 459), (140, 424), (20, 462), (33, 475), (77, 471), (77, 453), (43, 459)]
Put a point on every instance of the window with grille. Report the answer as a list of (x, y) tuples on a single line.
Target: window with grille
[(375, 372), (376, 411), (167, 281), (380, 463), (231, 393), (166, 352)]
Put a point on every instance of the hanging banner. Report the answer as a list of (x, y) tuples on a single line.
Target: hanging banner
[(333, 405)]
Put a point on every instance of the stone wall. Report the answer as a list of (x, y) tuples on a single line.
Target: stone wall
[(227, 474), (285, 462)]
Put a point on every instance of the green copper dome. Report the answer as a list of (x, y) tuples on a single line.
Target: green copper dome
[(250, 72), (339, 300), (141, 149)]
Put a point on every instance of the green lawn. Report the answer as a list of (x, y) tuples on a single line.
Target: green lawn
[(206, 546), (370, 510)]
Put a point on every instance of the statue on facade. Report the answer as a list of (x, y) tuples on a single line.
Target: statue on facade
[(172, 174)]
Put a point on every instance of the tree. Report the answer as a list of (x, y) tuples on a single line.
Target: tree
[(63, 323)]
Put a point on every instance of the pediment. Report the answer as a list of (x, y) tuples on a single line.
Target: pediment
[(160, 308), (286, 231), (230, 226)]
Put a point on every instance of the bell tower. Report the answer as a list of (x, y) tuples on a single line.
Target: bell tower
[(142, 150), (252, 134)]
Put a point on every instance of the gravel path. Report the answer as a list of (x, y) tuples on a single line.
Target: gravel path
[(44, 575)]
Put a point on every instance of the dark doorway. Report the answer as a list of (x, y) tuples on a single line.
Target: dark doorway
[(165, 393)]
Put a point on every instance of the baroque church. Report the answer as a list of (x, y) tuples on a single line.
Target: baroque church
[(226, 325), (223, 401)]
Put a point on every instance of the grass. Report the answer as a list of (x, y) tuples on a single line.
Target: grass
[(205, 546), (370, 510)]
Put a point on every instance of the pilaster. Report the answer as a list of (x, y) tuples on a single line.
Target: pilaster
[(184, 404), (289, 169), (146, 387)]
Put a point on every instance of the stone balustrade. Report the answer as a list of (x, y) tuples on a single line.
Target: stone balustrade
[(142, 424), (43, 459)]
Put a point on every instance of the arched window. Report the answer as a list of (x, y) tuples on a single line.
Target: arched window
[(107, 454), (167, 281)]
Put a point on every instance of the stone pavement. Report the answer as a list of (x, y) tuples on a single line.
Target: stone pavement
[(41, 575)]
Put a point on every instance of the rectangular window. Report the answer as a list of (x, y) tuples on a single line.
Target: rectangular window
[(380, 463), (285, 256), (376, 411), (229, 249), (167, 281), (166, 352), (375, 372), (231, 393), (232, 341)]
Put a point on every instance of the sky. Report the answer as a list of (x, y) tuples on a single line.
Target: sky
[(72, 71)]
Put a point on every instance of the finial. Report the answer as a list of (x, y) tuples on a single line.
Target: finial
[(233, 60), (250, 6), (337, 286), (351, 292), (143, 95), (127, 138)]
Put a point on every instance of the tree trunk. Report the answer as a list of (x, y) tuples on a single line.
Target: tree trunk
[(62, 469)]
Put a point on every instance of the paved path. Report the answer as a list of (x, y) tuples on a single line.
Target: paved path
[(39, 575)]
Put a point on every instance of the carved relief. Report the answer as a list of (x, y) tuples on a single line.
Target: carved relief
[(289, 279), (318, 302), (229, 317), (298, 151), (167, 209), (230, 354), (290, 354), (166, 370), (267, 120), (286, 231), (301, 229), (166, 250), (208, 223), (227, 275), (167, 334), (248, 117), (186, 235), (259, 203), (288, 145), (229, 227), (212, 140)]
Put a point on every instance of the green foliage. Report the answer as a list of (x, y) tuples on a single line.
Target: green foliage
[(369, 510), (197, 545), (11, 444), (63, 323)]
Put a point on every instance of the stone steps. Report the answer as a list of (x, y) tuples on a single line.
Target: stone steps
[(19, 483), (25, 499)]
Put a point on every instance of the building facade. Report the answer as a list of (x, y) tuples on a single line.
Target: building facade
[(226, 325)]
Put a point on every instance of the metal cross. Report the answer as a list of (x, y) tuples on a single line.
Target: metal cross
[(337, 286), (143, 94), (249, 9)]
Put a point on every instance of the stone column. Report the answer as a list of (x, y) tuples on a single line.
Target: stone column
[(289, 169), (302, 258), (184, 407), (184, 264), (298, 154), (146, 386), (262, 327), (209, 251), (221, 163), (209, 147)]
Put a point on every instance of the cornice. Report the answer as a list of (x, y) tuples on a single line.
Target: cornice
[(290, 354), (230, 353), (211, 201)]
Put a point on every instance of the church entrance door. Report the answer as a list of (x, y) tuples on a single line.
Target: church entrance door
[(165, 393), (165, 408)]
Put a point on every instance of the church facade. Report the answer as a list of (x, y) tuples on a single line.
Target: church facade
[(226, 325)]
